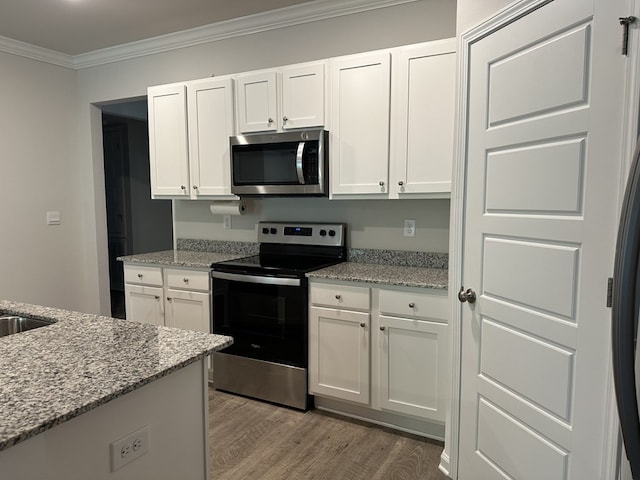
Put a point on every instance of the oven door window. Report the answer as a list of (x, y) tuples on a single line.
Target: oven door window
[(268, 322)]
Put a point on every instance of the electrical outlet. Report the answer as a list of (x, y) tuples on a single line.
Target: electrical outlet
[(409, 227), (226, 220), (129, 448)]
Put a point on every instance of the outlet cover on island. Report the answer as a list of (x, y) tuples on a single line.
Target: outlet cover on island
[(409, 227)]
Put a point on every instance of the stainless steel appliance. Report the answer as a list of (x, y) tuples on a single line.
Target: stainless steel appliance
[(625, 311), (280, 164), (262, 302)]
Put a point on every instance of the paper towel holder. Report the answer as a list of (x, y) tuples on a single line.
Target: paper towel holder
[(228, 207)]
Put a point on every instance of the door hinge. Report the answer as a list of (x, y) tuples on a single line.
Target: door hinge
[(625, 22), (609, 292)]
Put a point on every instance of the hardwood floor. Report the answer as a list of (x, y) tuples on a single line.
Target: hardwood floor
[(256, 440)]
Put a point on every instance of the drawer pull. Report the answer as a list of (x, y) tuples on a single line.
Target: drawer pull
[(338, 297), (169, 298), (139, 275), (412, 305), (185, 280), (157, 297), (382, 328), (362, 324)]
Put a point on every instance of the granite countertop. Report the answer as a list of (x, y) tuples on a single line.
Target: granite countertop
[(52, 374), (423, 277), (181, 258)]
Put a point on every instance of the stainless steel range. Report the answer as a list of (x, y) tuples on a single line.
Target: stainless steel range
[(262, 302)]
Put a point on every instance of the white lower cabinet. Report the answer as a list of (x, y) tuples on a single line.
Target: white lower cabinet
[(390, 355), (168, 296)]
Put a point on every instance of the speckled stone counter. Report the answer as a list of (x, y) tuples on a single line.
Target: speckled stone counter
[(422, 277), (181, 258), (52, 374)]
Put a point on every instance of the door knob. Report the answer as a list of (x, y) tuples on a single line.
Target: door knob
[(467, 295)]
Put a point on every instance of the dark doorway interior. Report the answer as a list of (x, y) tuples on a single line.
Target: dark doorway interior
[(135, 222)]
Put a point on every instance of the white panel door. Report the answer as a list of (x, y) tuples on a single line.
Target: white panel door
[(339, 348), (257, 102), (303, 96), (168, 147), (359, 137), (423, 108), (188, 310), (211, 123), (542, 167)]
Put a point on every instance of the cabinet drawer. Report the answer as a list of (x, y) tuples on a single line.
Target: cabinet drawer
[(340, 296), (187, 279), (434, 306), (143, 275)]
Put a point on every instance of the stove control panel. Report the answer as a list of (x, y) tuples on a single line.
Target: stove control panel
[(331, 234)]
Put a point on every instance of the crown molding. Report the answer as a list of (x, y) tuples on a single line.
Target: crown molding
[(27, 50), (260, 22)]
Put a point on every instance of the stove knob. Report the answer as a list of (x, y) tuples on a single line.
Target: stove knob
[(265, 230), (273, 231), (323, 233), (332, 233)]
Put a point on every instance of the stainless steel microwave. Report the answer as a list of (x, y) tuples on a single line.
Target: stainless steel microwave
[(280, 164)]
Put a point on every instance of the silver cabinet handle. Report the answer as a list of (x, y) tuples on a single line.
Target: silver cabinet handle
[(412, 305), (338, 297), (195, 187), (183, 187), (382, 328), (157, 297), (467, 295), (362, 324), (185, 280), (401, 183), (169, 298), (270, 120), (381, 183), (139, 275), (285, 119)]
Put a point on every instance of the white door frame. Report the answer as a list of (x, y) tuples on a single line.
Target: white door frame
[(519, 8)]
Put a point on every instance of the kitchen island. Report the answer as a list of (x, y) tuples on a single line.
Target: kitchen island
[(70, 391)]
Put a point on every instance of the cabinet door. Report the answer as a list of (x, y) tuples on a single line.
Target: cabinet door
[(211, 123), (257, 102), (339, 354), (144, 304), (410, 367), (168, 148), (303, 96), (360, 124), (188, 310), (423, 100)]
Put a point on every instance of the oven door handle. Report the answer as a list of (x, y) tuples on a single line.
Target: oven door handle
[(289, 282)]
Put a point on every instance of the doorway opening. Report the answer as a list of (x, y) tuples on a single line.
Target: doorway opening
[(135, 223)]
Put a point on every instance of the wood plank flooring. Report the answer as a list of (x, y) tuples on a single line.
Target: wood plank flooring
[(251, 440)]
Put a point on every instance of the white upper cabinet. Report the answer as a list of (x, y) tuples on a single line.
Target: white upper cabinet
[(211, 123), (257, 103), (286, 98), (359, 135), (189, 129), (168, 146), (422, 112), (303, 97)]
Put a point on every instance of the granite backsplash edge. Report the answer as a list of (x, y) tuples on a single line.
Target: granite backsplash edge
[(359, 255)]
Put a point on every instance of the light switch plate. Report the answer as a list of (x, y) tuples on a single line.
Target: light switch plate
[(53, 218)]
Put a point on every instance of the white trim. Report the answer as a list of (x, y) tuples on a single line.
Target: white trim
[(22, 49), (260, 22), (502, 18), (612, 467)]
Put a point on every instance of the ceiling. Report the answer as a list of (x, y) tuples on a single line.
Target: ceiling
[(74, 27)]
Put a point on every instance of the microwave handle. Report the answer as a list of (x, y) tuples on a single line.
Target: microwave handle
[(299, 169)]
